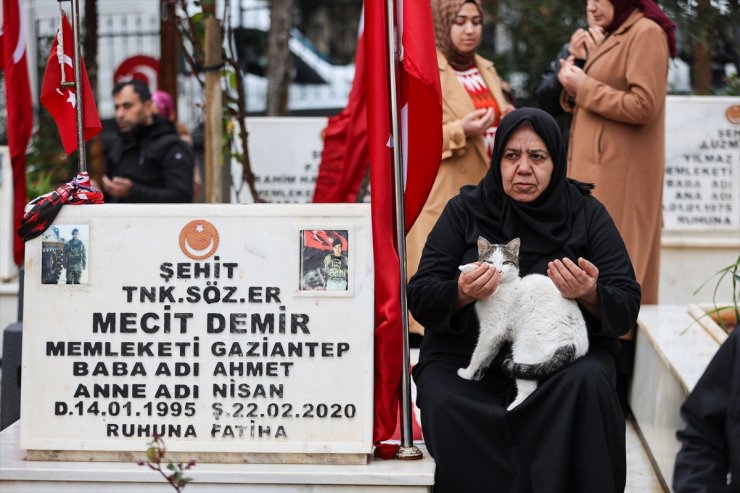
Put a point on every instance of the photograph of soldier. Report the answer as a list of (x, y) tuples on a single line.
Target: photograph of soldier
[(64, 254), (335, 268), (324, 260), (74, 259)]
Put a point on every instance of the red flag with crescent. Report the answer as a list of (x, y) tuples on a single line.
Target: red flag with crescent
[(421, 133), (19, 107), (344, 158), (61, 102), (322, 239)]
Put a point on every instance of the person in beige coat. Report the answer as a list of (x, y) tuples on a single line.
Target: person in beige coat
[(473, 104), (617, 136), (618, 128)]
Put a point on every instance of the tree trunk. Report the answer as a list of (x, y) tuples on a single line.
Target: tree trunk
[(168, 43), (702, 54), (278, 54), (95, 166), (214, 113)]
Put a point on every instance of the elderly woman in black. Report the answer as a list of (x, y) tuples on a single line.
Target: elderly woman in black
[(569, 435)]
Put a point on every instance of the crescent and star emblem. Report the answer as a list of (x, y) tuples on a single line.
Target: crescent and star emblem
[(733, 114), (199, 239)]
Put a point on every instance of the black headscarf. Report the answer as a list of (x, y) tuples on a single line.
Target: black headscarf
[(544, 224)]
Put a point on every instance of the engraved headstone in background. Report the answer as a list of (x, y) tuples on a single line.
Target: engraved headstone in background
[(284, 153), (702, 170), (199, 323)]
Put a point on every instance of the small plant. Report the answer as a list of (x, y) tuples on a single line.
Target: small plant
[(175, 473), (733, 86), (726, 315)]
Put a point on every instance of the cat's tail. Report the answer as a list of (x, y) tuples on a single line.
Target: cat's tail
[(563, 356)]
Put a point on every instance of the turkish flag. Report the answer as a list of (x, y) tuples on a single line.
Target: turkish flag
[(62, 101), (420, 105), (323, 240), (19, 107), (421, 127), (344, 158), (388, 326)]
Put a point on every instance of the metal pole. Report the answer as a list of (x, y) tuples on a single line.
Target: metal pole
[(407, 450), (81, 154)]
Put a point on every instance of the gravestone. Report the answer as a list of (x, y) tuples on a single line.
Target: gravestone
[(282, 173), (701, 197), (237, 333), (702, 170)]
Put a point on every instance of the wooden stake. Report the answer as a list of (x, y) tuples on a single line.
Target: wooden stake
[(214, 113)]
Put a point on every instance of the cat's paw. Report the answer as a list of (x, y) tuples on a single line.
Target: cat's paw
[(514, 404), (467, 267), (470, 374)]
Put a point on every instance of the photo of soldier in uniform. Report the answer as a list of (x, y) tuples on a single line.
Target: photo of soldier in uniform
[(64, 254), (336, 268), (324, 260)]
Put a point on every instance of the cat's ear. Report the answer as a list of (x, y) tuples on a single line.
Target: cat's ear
[(483, 245), (513, 246)]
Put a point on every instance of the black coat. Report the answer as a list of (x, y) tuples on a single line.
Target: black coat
[(569, 435), (548, 91), (711, 440), (157, 161)]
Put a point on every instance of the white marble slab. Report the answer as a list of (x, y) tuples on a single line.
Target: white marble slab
[(671, 353), (689, 259), (641, 476), (19, 475), (222, 328), (681, 342)]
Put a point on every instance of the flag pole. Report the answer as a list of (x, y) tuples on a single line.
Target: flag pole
[(77, 84), (407, 449)]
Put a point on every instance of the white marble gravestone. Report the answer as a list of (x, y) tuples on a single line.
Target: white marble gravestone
[(229, 330), (282, 173), (702, 166)]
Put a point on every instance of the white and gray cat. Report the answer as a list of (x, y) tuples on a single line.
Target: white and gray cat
[(546, 330)]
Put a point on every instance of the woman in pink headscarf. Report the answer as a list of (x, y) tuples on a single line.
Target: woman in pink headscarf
[(165, 107)]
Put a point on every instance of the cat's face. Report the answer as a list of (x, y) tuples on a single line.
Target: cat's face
[(505, 258)]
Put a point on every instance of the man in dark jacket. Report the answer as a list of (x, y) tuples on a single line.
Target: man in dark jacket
[(149, 162), (709, 459)]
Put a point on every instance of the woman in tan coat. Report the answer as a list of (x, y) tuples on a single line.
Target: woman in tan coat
[(473, 104), (618, 130)]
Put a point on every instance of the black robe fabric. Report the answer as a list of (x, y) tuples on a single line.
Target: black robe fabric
[(569, 435), (711, 440)]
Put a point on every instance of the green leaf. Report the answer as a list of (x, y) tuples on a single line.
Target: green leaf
[(232, 79), (197, 18)]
